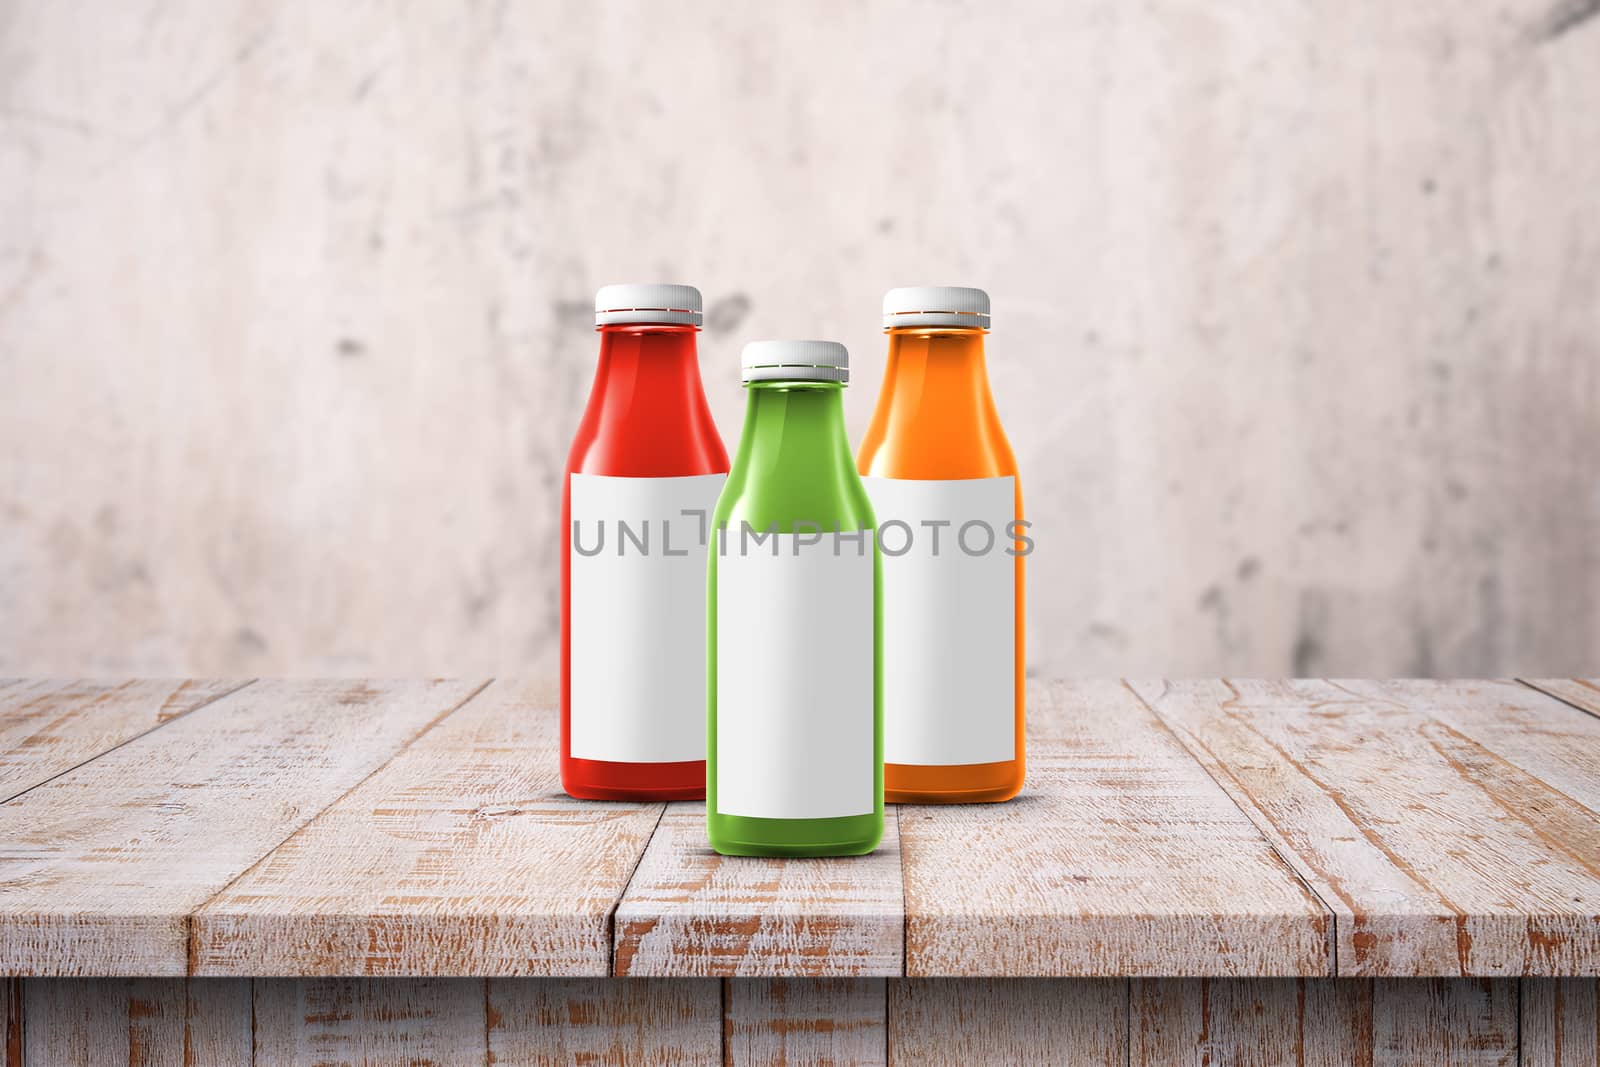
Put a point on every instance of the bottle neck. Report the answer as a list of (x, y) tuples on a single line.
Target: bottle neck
[(646, 364), (792, 425), (940, 364), (935, 416), (647, 410)]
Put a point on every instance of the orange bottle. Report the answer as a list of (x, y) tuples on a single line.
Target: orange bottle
[(944, 487)]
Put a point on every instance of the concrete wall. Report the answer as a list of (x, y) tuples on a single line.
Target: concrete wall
[(1297, 309)]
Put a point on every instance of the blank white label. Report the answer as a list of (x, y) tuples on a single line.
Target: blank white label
[(638, 616), (795, 680), (949, 620)]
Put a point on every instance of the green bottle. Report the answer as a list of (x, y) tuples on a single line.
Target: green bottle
[(794, 740)]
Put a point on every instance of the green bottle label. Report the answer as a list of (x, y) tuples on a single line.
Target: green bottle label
[(794, 679)]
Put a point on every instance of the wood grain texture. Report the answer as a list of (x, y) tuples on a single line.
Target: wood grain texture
[(100, 869), (217, 1018), (1444, 1022), (1560, 1022), (460, 857), (1438, 857), (689, 911), (805, 1022), (1579, 692), (417, 828), (1019, 1022), (10, 1022), (1308, 1022), (1536, 756), (137, 1022), (341, 1022), (48, 727), (679, 1022), (1120, 857), (648, 1022)]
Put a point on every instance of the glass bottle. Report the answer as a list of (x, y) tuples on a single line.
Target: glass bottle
[(643, 474), (944, 486), (794, 708)]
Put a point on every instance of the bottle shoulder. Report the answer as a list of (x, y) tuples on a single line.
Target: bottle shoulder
[(646, 413), (938, 456), (827, 499), (646, 444), (950, 433)]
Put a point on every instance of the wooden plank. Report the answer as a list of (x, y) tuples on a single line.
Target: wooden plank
[(10, 1022), (49, 727), (806, 1022), (217, 1020), (1310, 1022), (1560, 1022), (1444, 1022), (1401, 826), (1173, 1022), (1122, 857), (1018, 1021), (344, 1022), (1581, 693), (461, 857), (1501, 733), (137, 1022), (100, 869), (652, 1022), (691, 912)]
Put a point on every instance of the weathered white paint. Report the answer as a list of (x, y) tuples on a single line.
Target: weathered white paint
[(1314, 1022), (1028, 1022), (1122, 857), (1297, 310), (1446, 824), (412, 828), (137, 1022), (688, 911), (1581, 693), (806, 1022), (102, 868), (49, 727), (1460, 1023), (1560, 1024), (652, 1022), (667, 1022), (461, 856)]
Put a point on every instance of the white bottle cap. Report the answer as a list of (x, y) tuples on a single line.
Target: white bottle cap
[(936, 305), (655, 302), (795, 361)]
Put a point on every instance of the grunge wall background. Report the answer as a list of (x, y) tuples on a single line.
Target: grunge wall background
[(1297, 309)]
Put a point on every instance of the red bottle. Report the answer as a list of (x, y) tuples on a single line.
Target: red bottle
[(642, 479)]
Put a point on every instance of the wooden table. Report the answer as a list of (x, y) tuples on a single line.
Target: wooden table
[(1313, 872)]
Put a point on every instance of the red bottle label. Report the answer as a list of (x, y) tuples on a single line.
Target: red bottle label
[(637, 664)]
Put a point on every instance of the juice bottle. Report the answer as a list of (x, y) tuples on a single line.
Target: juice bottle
[(794, 714), (944, 486), (644, 472)]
